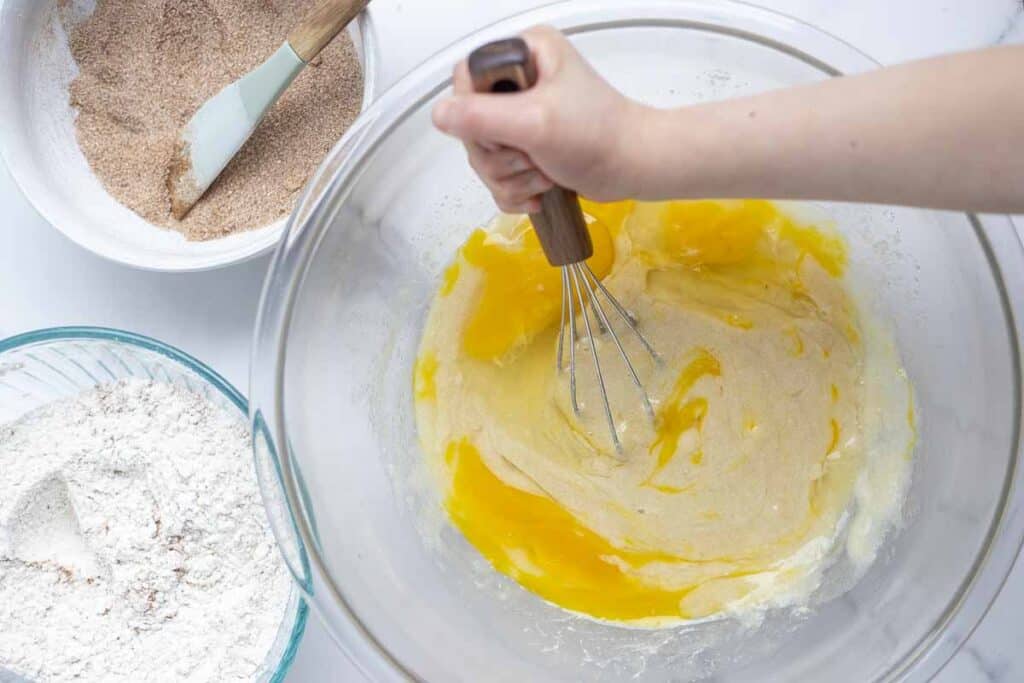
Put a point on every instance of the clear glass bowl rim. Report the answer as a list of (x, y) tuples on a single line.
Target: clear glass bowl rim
[(209, 375), (330, 186)]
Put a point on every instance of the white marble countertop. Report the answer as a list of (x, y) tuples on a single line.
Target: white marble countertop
[(47, 281)]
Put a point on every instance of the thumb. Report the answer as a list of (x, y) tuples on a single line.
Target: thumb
[(511, 120)]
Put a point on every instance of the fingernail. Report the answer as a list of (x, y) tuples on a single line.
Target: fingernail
[(443, 115)]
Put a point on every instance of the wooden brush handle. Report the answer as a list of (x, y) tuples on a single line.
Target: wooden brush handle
[(507, 66), (321, 25)]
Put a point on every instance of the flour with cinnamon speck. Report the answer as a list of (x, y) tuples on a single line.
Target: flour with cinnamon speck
[(133, 542), (145, 66)]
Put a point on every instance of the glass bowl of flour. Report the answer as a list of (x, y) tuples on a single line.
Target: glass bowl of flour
[(133, 540)]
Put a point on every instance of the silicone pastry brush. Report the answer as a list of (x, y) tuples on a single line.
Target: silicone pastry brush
[(220, 127)]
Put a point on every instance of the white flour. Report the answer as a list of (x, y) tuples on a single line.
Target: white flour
[(133, 544)]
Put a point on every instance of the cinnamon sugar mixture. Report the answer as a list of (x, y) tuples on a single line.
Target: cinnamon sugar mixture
[(145, 66)]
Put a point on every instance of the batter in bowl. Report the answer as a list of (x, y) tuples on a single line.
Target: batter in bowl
[(773, 400)]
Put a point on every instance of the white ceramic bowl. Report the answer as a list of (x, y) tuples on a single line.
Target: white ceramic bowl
[(37, 140)]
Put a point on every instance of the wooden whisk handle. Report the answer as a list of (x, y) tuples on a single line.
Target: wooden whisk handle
[(508, 66), (319, 27)]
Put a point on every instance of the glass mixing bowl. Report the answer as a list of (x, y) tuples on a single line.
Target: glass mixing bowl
[(407, 598), (40, 367)]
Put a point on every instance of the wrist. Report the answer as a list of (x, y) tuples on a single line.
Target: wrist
[(633, 150), (665, 152)]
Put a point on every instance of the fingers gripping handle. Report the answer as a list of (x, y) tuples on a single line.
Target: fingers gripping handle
[(507, 66)]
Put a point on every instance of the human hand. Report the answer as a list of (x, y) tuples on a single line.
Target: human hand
[(572, 128)]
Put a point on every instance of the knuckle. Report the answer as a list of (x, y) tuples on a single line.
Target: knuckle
[(503, 193), (492, 165), (532, 183), (520, 162), (521, 183), (544, 34), (503, 162), (535, 32), (549, 47), (540, 185)]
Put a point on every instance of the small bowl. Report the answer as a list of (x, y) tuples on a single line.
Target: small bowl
[(37, 140), (39, 367)]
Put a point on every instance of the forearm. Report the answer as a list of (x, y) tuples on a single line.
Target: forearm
[(946, 133)]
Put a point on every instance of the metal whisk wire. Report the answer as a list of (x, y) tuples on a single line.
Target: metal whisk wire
[(573, 291)]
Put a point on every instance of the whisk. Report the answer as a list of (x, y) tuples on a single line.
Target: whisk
[(507, 66)]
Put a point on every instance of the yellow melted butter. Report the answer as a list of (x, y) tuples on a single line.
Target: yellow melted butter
[(531, 537), (537, 542), (424, 385), (521, 293), (448, 280), (834, 426), (706, 233), (679, 415)]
